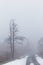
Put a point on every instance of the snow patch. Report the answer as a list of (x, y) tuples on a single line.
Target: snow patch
[(31, 64), (18, 62), (40, 60)]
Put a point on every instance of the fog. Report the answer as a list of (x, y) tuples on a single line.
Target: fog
[(28, 15)]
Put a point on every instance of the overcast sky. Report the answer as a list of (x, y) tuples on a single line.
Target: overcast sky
[(28, 15)]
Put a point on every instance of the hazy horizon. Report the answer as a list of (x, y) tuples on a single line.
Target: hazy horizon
[(28, 15)]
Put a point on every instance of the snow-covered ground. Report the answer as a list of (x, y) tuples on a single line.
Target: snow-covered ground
[(18, 62), (23, 61), (40, 60)]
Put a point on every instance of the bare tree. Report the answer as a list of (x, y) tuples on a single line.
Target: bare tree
[(13, 38)]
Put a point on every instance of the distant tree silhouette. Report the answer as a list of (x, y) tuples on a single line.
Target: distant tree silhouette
[(14, 37), (40, 47)]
